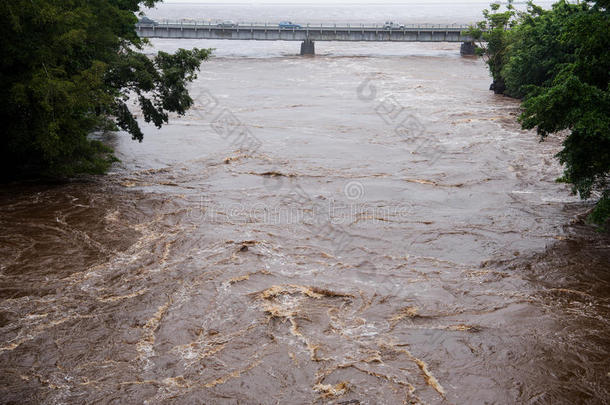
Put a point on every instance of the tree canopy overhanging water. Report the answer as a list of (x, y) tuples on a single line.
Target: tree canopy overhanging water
[(558, 62), (67, 70)]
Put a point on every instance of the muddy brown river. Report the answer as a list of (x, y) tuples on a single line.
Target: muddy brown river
[(336, 230)]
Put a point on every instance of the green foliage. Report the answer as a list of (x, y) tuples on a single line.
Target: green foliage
[(558, 62), (68, 69), (601, 213), (492, 35)]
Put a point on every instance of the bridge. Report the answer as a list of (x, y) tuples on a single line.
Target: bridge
[(308, 34)]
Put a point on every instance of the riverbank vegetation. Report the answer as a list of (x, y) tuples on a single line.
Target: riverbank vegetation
[(69, 69), (558, 62)]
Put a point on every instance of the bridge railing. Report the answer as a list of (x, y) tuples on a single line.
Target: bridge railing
[(185, 22)]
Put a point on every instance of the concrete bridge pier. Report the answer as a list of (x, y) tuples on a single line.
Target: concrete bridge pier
[(467, 48), (308, 47)]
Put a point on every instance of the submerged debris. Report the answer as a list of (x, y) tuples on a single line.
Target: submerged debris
[(235, 158), (273, 173), (407, 312), (329, 391)]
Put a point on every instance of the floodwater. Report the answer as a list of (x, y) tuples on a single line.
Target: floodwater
[(367, 226)]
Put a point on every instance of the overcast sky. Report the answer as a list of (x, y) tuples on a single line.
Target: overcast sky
[(320, 1)]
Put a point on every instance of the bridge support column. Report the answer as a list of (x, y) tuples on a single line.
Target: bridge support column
[(308, 47), (467, 48)]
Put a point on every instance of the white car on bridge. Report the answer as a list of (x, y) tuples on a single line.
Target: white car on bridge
[(389, 25)]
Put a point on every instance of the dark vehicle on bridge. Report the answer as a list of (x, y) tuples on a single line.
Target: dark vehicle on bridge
[(147, 21), (289, 24)]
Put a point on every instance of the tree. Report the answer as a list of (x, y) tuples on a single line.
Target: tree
[(558, 62), (492, 35), (68, 69)]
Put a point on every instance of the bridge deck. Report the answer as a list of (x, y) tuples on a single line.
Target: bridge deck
[(272, 32)]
